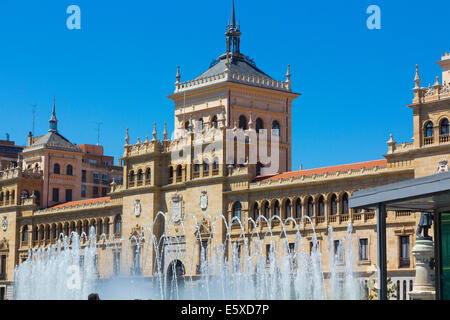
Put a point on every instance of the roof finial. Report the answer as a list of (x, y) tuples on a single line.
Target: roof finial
[(155, 133), (165, 131), (53, 121), (417, 77), (233, 33), (178, 75), (127, 138)]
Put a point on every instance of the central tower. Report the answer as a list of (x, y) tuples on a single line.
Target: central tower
[(233, 93)]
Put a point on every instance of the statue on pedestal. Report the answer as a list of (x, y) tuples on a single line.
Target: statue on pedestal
[(425, 222)]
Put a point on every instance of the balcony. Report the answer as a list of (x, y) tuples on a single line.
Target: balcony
[(443, 138), (215, 172), (332, 218), (179, 179), (428, 140), (139, 183), (320, 219), (196, 174), (131, 184)]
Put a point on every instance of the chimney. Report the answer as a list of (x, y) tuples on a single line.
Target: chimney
[(30, 139)]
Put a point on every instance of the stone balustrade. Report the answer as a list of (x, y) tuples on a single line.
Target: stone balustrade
[(235, 77)]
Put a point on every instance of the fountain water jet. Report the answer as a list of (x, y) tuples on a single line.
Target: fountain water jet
[(262, 265)]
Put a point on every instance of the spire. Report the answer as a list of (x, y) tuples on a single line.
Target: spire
[(417, 77), (233, 33), (53, 121), (233, 16)]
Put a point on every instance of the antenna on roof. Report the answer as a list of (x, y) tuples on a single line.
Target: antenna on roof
[(98, 131), (33, 112)]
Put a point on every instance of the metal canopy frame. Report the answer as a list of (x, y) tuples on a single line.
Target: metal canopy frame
[(431, 193)]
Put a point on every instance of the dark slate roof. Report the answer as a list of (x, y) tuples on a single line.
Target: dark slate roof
[(53, 140), (240, 64)]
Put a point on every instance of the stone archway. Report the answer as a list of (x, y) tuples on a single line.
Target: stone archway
[(175, 280)]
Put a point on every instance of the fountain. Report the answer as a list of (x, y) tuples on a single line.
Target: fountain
[(238, 269)]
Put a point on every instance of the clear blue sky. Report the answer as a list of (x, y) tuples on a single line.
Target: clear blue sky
[(121, 65)]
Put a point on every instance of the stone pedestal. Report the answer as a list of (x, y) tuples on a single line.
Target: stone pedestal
[(424, 288)]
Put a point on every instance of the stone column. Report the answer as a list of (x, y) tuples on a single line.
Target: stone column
[(424, 288)]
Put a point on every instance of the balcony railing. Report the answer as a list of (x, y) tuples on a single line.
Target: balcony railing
[(215, 172), (131, 184), (444, 138), (139, 183), (428, 140)]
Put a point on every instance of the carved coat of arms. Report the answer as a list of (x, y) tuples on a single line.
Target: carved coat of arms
[(176, 209), (4, 223), (204, 201), (137, 208), (443, 166)]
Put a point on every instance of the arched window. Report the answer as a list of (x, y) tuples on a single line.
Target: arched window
[(67, 230), (214, 122), (148, 174), (106, 226), (179, 171), (288, 208), (118, 224), (255, 211), (80, 229), (206, 166), (333, 203), (42, 236), (266, 210), (196, 167), (321, 204), (140, 175), (25, 233), (69, 170), (186, 126), (200, 124), (7, 195), (259, 124), (56, 168), (216, 164), (444, 126), (100, 227), (170, 172), (429, 129), (242, 122), (344, 204), (237, 210), (276, 128), (298, 208), (35, 234), (131, 176), (310, 212), (276, 208)]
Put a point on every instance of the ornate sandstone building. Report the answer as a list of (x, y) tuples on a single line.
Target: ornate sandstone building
[(207, 168)]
